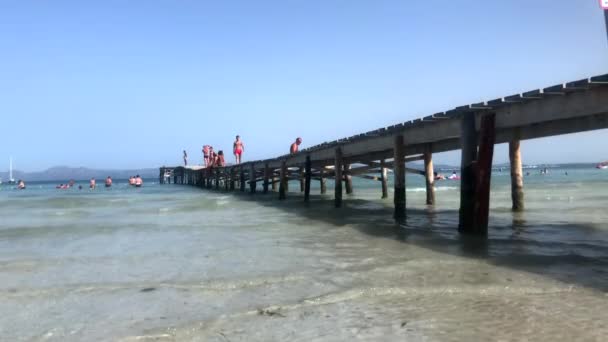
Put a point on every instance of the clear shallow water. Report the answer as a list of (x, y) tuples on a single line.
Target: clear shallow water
[(165, 263)]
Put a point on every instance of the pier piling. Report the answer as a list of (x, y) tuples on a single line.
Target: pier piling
[(384, 178), (283, 184), (338, 177), (266, 178), (252, 178), (487, 137), (399, 171), (348, 179), (429, 173), (307, 179), (517, 178), (468, 141)]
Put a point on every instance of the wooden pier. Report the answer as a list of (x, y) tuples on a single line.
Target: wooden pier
[(474, 129)]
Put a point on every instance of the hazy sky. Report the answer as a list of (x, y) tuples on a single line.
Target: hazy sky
[(127, 84)]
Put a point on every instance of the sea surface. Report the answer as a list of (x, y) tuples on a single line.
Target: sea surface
[(178, 263)]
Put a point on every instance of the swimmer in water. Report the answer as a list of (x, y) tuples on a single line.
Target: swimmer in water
[(92, 184), (138, 181), (108, 182), (21, 185)]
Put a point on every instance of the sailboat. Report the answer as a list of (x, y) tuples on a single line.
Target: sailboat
[(11, 180)]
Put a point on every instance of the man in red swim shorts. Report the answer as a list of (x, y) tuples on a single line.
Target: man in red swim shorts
[(239, 148)]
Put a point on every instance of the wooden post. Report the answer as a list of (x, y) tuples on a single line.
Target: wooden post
[(399, 171), (517, 177), (487, 139), (348, 179), (429, 175), (242, 179), (384, 178), (266, 177), (338, 172), (252, 178), (283, 185), (468, 184), (308, 176), (302, 176), (323, 181)]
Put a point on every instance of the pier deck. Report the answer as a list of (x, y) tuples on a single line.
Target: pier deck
[(474, 129)]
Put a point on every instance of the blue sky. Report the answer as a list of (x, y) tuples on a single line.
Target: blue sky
[(128, 84)]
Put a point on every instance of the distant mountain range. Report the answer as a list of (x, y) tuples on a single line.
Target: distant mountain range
[(64, 173)]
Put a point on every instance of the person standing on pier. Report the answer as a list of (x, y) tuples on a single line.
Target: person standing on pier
[(295, 146), (185, 158), (238, 148), (219, 161), (206, 155)]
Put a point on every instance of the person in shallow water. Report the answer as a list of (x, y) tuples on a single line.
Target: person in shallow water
[(21, 185), (238, 148), (138, 181), (131, 180), (295, 146), (92, 184), (108, 182)]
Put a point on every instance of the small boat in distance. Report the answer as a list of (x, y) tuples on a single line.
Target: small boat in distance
[(602, 166)]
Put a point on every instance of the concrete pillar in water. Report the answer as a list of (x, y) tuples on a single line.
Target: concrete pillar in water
[(348, 179), (429, 173), (468, 143), (252, 178), (302, 175), (307, 178), (283, 184), (338, 174), (487, 138), (242, 179), (384, 178), (323, 181), (517, 177), (232, 178), (266, 177), (399, 171)]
